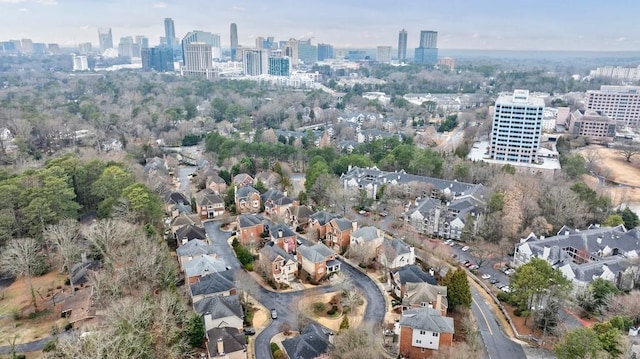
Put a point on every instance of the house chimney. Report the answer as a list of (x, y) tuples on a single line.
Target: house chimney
[(280, 233), (220, 346), (84, 257), (284, 193), (331, 339), (354, 226)]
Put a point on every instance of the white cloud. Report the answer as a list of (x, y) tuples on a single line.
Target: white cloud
[(237, 8), (160, 5), (48, 2), (12, 1), (621, 39)]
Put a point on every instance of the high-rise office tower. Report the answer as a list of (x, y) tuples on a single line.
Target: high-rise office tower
[(325, 51), (259, 42), (26, 46), (80, 63), (143, 41), (125, 47), (307, 53), (198, 61), (429, 39), (427, 52), (255, 62), (383, 55), (279, 66), (517, 127), (105, 39), (85, 48), (291, 50), (621, 103), (53, 48), (402, 45), (208, 38), (159, 58), (234, 41), (169, 33)]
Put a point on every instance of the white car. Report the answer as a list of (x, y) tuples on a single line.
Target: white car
[(486, 276), (465, 248), (506, 289)]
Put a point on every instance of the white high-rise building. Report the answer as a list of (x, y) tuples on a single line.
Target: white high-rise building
[(198, 61), (517, 127), (384, 54), (255, 62), (621, 103), (80, 63)]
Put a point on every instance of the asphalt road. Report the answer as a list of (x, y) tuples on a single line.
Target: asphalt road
[(284, 303), (184, 176)]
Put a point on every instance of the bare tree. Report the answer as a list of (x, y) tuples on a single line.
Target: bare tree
[(356, 343), (246, 285), (591, 157), (63, 237), (627, 149), (21, 257), (481, 253), (109, 236)]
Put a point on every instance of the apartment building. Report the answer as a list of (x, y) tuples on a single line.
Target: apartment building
[(621, 103), (592, 124)]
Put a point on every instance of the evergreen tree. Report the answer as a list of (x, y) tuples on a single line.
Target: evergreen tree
[(458, 291)]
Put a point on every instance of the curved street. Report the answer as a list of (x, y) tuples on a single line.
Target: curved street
[(285, 303)]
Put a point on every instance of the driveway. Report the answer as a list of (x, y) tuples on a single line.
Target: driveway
[(184, 174)]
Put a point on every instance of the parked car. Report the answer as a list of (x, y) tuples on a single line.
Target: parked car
[(493, 281), (469, 265), (274, 314), (465, 248), (510, 272), (249, 331), (486, 276), (506, 289), (384, 214), (474, 267)]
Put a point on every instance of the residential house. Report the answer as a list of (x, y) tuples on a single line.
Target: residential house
[(318, 261), (5, 135), (372, 134), (242, 179), (210, 205), (226, 342), (220, 312), (177, 203), (275, 202), (269, 179), (394, 253), (418, 295), (80, 272), (112, 145), (339, 232), (283, 266), (365, 241), (312, 343), (202, 266), (583, 255), (251, 227), (181, 220), (247, 200), (447, 220), (422, 331), (216, 184), (282, 236), (298, 217), (194, 249), (319, 221), (214, 285), (399, 278), (188, 233), (79, 306)]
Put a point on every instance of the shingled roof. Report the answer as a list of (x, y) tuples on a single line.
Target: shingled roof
[(427, 319), (310, 344)]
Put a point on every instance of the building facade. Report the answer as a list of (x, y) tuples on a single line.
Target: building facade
[(80, 63), (105, 39), (157, 58), (279, 66), (307, 53), (234, 41), (517, 127), (592, 124), (255, 62), (198, 61), (169, 32), (427, 52), (621, 103), (203, 36), (402, 45), (383, 55), (325, 51)]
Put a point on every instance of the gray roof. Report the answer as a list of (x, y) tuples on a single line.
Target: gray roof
[(271, 252), (343, 224), (249, 220), (311, 343), (302, 212), (209, 198), (216, 179), (182, 220), (204, 265), (220, 307), (232, 341), (214, 283), (240, 177), (276, 196), (177, 197), (286, 231), (417, 293), (315, 253), (427, 319), (427, 205), (79, 271), (246, 191), (367, 234), (191, 232), (398, 246), (323, 217), (413, 274), (194, 248)]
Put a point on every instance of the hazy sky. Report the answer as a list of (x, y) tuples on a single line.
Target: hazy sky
[(461, 24)]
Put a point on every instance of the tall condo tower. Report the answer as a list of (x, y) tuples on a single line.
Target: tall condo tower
[(234, 40), (517, 127), (169, 32), (402, 45)]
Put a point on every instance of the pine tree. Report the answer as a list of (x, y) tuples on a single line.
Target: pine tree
[(458, 291)]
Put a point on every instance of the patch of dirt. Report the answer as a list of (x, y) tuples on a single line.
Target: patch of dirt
[(613, 166), (260, 319), (355, 316), (17, 299)]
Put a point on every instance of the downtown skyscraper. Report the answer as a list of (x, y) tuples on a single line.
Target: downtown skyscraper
[(402, 45), (427, 52), (105, 38), (234, 40), (169, 33)]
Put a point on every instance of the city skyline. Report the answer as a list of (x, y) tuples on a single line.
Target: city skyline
[(491, 25)]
